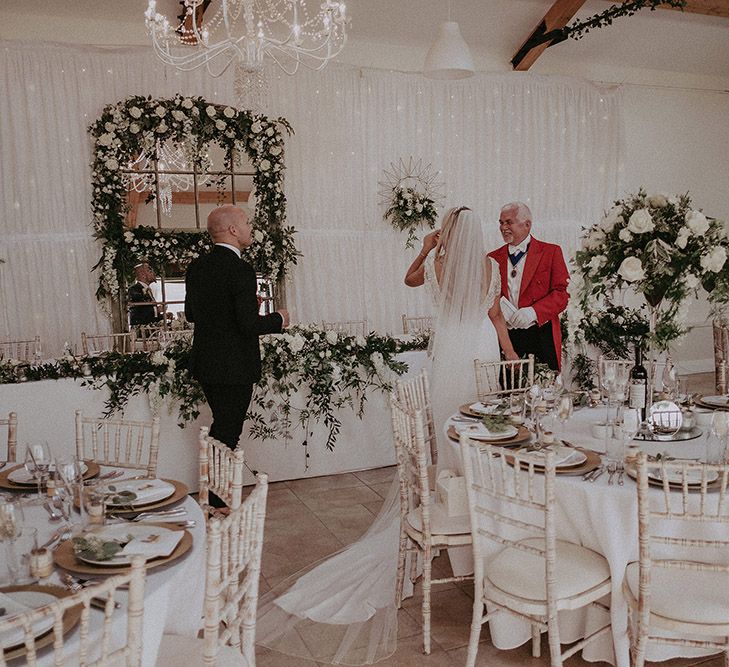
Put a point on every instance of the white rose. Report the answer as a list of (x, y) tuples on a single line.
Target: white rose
[(360, 341), (696, 221), (597, 262), (631, 269), (195, 111), (112, 164), (258, 235), (179, 115), (625, 235), (657, 201), (275, 150), (128, 237), (612, 218), (419, 207), (692, 281), (187, 103), (256, 127), (714, 260), (109, 127), (229, 112), (641, 221), (162, 127), (160, 111), (220, 124), (135, 112), (594, 240), (332, 337), (105, 139), (158, 358), (269, 131), (682, 237), (210, 111), (265, 165), (297, 344), (134, 128)]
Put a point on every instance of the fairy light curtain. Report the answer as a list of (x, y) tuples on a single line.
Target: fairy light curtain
[(555, 143)]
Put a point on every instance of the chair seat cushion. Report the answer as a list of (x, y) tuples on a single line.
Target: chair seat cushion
[(521, 574), (685, 595), (440, 522), (176, 650)]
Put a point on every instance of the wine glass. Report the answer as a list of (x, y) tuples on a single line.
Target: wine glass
[(69, 474), (624, 432), (669, 378), (11, 528), (719, 431), (38, 462), (565, 409)]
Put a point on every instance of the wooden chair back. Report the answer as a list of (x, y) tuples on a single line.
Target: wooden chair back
[(417, 325), (22, 350), (123, 443), (347, 327), (12, 423), (500, 379), (414, 394), (221, 471), (234, 544), (100, 343), (95, 648)]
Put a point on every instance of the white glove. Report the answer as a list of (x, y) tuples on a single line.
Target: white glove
[(523, 318)]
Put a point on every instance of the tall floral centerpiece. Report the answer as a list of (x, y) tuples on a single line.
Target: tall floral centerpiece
[(638, 266)]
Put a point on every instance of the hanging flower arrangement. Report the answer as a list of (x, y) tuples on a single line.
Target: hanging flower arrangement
[(140, 124)]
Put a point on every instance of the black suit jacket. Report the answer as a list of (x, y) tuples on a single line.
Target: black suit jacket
[(220, 299), (141, 314)]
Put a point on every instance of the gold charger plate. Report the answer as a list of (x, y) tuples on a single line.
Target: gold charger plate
[(92, 470), (632, 471), (591, 463), (522, 435), (177, 495), (466, 410), (70, 617), (711, 406), (64, 557)]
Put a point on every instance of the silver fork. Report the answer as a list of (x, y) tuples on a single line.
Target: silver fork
[(621, 471), (612, 468)]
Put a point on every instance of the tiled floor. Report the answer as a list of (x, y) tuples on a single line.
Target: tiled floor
[(310, 519)]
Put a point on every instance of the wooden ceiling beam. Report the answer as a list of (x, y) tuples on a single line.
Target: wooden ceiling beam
[(706, 7), (558, 16)]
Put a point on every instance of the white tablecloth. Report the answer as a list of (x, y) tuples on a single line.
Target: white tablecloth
[(46, 413), (173, 597), (603, 518)]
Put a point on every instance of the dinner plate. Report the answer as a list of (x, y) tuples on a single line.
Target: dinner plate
[(481, 432), (64, 557), (180, 493), (92, 470), (714, 402), (149, 541), (481, 409), (564, 457), (655, 480), (22, 476), (148, 490), (33, 596), (592, 462), (676, 477), (523, 434)]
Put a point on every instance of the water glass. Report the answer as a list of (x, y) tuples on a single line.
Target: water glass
[(11, 528), (23, 546), (517, 408), (93, 506), (716, 442), (38, 463)]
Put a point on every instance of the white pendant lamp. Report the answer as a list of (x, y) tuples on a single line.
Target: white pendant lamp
[(449, 57)]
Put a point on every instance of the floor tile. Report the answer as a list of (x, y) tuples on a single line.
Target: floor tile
[(383, 489), (324, 483), (377, 475), (337, 497), (450, 619), (347, 524), (409, 653)]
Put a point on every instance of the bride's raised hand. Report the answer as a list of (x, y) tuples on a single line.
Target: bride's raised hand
[(430, 241)]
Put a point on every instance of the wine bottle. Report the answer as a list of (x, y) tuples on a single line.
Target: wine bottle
[(638, 397)]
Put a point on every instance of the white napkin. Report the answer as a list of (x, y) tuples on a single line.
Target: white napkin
[(562, 455), (146, 490), (483, 409), (160, 542), (480, 431), (13, 607)]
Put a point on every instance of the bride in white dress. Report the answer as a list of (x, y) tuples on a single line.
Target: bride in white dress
[(342, 610)]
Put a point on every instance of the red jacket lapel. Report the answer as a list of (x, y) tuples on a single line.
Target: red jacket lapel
[(531, 263)]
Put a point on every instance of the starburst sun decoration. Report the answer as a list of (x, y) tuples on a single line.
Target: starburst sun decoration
[(411, 192)]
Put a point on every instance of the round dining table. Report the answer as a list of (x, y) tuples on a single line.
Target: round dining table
[(603, 516), (173, 594)]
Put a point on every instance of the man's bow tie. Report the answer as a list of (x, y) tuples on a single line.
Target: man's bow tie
[(515, 254)]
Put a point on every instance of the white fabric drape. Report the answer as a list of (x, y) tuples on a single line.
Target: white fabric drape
[(554, 143)]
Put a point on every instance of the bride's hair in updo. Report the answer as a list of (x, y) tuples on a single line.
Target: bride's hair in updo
[(450, 217)]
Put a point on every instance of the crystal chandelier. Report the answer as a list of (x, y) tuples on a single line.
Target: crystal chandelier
[(218, 33), (173, 171)]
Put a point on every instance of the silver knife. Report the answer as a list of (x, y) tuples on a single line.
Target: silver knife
[(599, 472)]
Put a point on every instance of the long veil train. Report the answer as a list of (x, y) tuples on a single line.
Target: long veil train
[(341, 610)]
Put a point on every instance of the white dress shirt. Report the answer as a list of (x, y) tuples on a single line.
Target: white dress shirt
[(514, 282), (231, 247)]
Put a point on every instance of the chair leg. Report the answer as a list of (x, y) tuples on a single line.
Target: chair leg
[(414, 553), (401, 561), (536, 642), (476, 624), (638, 653), (726, 658), (555, 648), (426, 600)]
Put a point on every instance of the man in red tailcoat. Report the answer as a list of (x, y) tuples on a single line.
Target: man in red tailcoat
[(534, 280)]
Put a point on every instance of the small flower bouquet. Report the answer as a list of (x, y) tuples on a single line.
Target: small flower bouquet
[(409, 210)]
